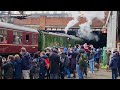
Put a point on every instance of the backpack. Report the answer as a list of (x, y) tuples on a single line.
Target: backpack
[(83, 61), (47, 63)]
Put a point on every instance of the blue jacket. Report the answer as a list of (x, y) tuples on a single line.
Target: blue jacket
[(114, 62), (18, 69), (26, 61), (98, 54), (65, 50)]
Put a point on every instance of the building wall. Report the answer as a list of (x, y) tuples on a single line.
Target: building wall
[(109, 40), (111, 31), (44, 21)]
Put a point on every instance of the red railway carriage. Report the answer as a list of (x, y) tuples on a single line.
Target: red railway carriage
[(13, 37)]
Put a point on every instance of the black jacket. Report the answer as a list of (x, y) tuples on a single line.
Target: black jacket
[(114, 62), (9, 70), (54, 63), (119, 61)]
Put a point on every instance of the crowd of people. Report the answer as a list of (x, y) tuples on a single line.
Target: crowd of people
[(58, 63)]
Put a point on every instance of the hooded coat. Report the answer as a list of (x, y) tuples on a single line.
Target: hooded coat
[(114, 61)]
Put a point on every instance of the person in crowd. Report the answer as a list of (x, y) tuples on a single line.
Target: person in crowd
[(67, 66), (87, 49), (47, 61), (36, 55), (91, 61), (78, 70), (108, 59), (82, 65), (18, 67), (119, 65), (35, 69), (70, 50), (77, 48), (54, 64), (97, 58), (0, 67), (114, 65), (82, 51), (26, 63), (62, 59), (9, 68), (4, 41), (42, 64), (85, 46), (64, 63), (73, 62), (65, 50), (47, 52), (4, 60)]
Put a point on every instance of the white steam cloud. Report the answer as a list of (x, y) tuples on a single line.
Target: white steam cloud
[(85, 29), (85, 32), (75, 20)]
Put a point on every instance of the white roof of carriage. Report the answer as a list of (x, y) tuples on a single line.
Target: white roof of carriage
[(17, 27)]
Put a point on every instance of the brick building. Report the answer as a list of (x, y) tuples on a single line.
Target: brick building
[(54, 23)]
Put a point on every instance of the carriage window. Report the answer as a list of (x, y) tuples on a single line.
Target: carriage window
[(3, 36), (27, 38), (17, 37)]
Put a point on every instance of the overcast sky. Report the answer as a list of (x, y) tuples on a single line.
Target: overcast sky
[(37, 12)]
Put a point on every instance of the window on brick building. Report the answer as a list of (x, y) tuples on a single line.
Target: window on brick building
[(97, 29), (59, 29), (54, 29), (48, 28)]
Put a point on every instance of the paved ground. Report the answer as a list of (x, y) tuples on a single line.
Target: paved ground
[(101, 74)]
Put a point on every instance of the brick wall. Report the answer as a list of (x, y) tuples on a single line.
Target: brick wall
[(42, 22), (54, 21)]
